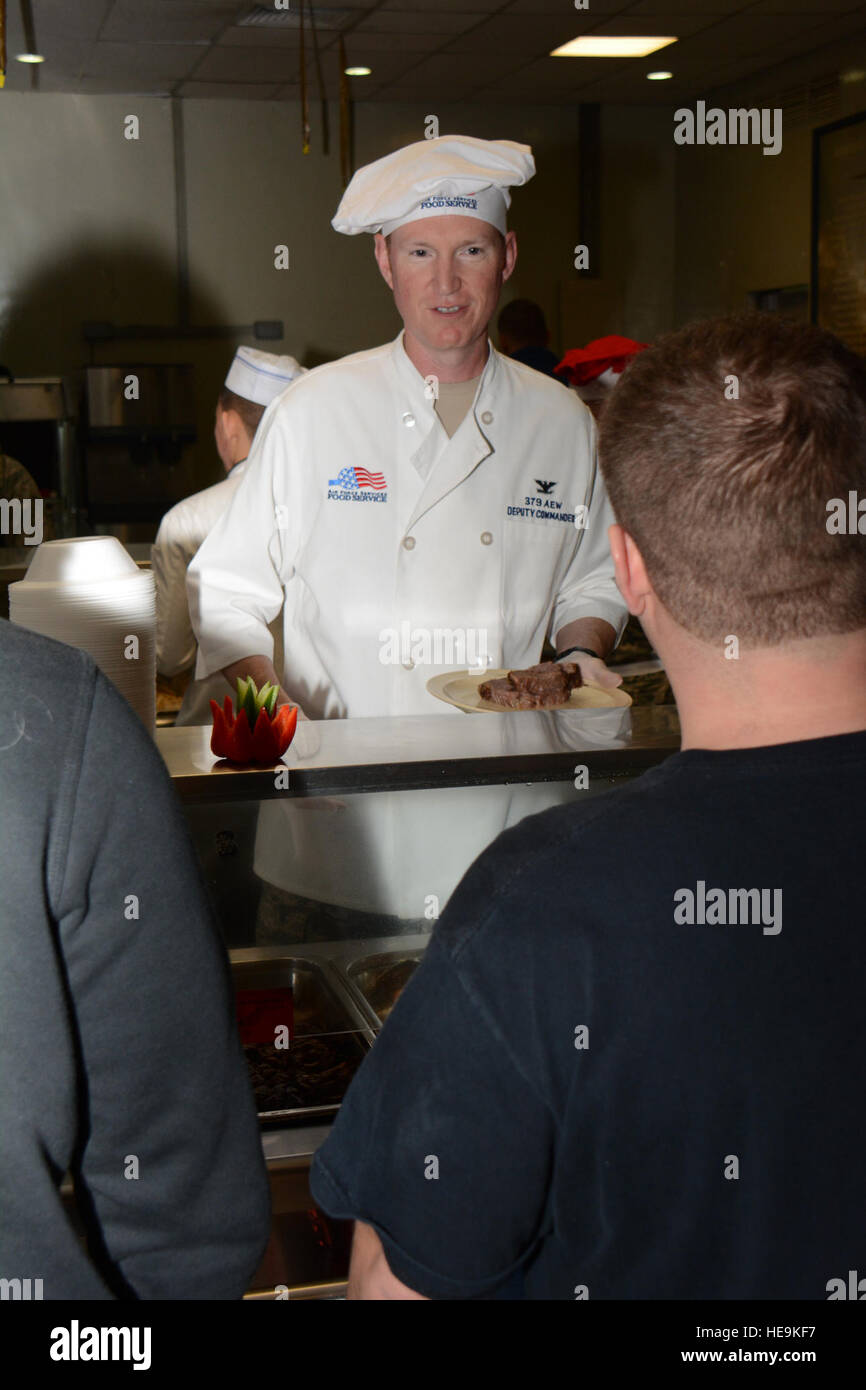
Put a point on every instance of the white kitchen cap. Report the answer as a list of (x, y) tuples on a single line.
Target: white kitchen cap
[(260, 376), (453, 174)]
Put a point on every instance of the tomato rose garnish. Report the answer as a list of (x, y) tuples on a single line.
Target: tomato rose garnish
[(256, 734)]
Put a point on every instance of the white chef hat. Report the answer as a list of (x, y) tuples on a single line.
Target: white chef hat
[(453, 174), (260, 376)]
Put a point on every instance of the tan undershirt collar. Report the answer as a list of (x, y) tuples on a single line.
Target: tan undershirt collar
[(455, 400)]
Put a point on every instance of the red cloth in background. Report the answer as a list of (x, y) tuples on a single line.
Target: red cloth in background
[(580, 365)]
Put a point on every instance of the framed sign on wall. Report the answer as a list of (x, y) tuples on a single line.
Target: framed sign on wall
[(839, 230)]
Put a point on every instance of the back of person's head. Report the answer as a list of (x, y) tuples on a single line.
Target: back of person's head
[(249, 411), (522, 323), (722, 449)]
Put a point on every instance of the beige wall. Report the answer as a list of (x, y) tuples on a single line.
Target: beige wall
[(87, 229), (743, 223), (743, 218), (634, 293)]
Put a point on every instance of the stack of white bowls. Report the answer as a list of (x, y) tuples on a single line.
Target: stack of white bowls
[(89, 593)]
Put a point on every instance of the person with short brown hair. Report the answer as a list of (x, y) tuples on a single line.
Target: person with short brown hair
[(750, 425), (249, 415)]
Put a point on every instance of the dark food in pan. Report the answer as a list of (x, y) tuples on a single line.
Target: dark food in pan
[(312, 1072), (537, 687)]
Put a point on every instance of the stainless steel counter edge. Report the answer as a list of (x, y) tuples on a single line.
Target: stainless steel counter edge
[(294, 1145), (343, 756)]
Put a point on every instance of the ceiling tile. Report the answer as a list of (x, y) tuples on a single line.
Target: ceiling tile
[(263, 37), (434, 6), (645, 8), (150, 61), (247, 65), (363, 41), (239, 91), (169, 21), (744, 36), (559, 74), (455, 68), (678, 26), (551, 7), (111, 86), (426, 99), (438, 24), (516, 33), (817, 7), (58, 19)]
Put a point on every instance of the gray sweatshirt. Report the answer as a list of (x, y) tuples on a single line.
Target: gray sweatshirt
[(119, 1055)]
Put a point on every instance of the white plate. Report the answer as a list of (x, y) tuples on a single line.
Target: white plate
[(460, 688)]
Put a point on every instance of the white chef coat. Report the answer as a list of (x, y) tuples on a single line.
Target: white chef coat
[(181, 532), (462, 535)]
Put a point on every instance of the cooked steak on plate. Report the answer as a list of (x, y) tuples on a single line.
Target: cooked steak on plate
[(537, 687)]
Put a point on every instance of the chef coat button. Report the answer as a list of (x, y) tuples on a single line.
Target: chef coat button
[(487, 418), (408, 419), (486, 538), (408, 542), (409, 665)]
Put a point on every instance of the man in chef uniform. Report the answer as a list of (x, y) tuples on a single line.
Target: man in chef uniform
[(430, 482), (254, 379)]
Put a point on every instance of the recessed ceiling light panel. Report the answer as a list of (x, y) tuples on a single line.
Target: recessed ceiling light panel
[(597, 46)]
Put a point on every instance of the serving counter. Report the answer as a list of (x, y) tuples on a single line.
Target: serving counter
[(327, 874)]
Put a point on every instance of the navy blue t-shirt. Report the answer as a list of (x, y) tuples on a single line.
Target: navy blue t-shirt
[(631, 1062)]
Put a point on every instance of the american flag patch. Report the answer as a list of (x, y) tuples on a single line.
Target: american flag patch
[(358, 477)]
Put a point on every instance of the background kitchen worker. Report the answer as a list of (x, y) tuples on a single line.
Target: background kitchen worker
[(524, 335), (429, 486), (254, 379), (651, 1087)]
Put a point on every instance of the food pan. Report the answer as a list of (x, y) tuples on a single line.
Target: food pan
[(331, 1038), (380, 979)]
